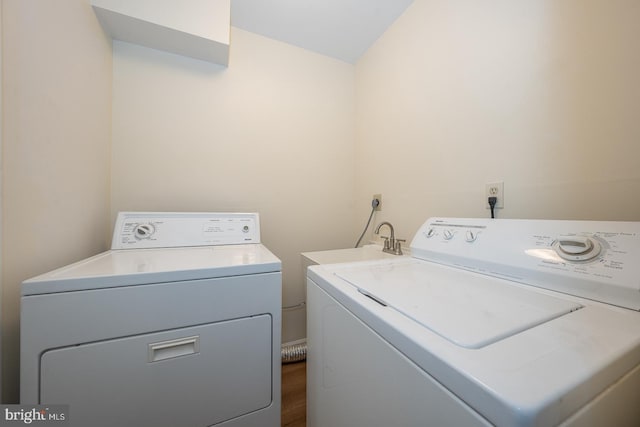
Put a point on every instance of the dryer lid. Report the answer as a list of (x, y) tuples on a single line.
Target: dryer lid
[(467, 309)]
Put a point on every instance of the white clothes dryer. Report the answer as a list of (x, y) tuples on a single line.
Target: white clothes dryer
[(511, 323), (177, 325)]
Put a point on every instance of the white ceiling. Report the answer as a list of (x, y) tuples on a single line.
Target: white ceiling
[(342, 29)]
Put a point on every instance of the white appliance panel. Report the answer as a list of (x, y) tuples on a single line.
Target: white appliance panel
[(205, 381), (527, 251), (358, 365), (67, 318), (144, 230), (117, 268)]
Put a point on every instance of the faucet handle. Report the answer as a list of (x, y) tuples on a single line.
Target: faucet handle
[(397, 247), (387, 246)]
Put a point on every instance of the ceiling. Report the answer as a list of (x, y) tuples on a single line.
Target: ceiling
[(342, 29)]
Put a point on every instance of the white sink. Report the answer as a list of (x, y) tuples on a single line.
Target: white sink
[(335, 256)]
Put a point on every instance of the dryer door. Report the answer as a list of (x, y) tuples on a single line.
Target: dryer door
[(200, 375)]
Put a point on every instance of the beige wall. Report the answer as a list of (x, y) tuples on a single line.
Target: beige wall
[(55, 160), (272, 133), (542, 95), (1, 201)]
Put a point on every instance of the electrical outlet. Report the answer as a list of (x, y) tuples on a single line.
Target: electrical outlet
[(495, 189), (379, 197)]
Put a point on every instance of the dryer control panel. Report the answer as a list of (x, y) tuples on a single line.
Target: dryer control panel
[(144, 230), (590, 259)]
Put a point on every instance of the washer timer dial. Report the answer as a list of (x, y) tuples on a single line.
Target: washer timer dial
[(576, 248)]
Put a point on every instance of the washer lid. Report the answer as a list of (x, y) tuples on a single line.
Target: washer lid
[(469, 310), (117, 268)]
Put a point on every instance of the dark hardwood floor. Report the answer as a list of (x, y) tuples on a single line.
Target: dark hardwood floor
[(294, 394)]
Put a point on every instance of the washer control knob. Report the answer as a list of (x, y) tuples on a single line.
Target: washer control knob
[(430, 233), (471, 236), (448, 234), (576, 248), (144, 231)]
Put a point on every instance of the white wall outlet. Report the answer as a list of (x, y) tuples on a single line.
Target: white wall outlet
[(495, 189), (379, 197)]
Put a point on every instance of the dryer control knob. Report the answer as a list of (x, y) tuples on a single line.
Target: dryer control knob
[(448, 234), (144, 231)]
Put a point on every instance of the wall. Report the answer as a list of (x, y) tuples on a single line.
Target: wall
[(272, 133), (1, 202), (542, 95), (56, 139)]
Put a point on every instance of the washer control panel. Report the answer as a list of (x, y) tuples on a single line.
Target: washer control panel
[(590, 259), (145, 230)]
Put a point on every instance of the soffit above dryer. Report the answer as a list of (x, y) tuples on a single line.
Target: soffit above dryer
[(342, 29), (195, 28)]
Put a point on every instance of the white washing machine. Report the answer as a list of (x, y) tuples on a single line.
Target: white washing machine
[(177, 325), (509, 323)]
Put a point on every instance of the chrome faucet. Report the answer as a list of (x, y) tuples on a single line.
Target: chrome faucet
[(391, 244)]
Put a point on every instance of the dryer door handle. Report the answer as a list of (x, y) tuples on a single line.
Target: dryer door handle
[(173, 348)]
